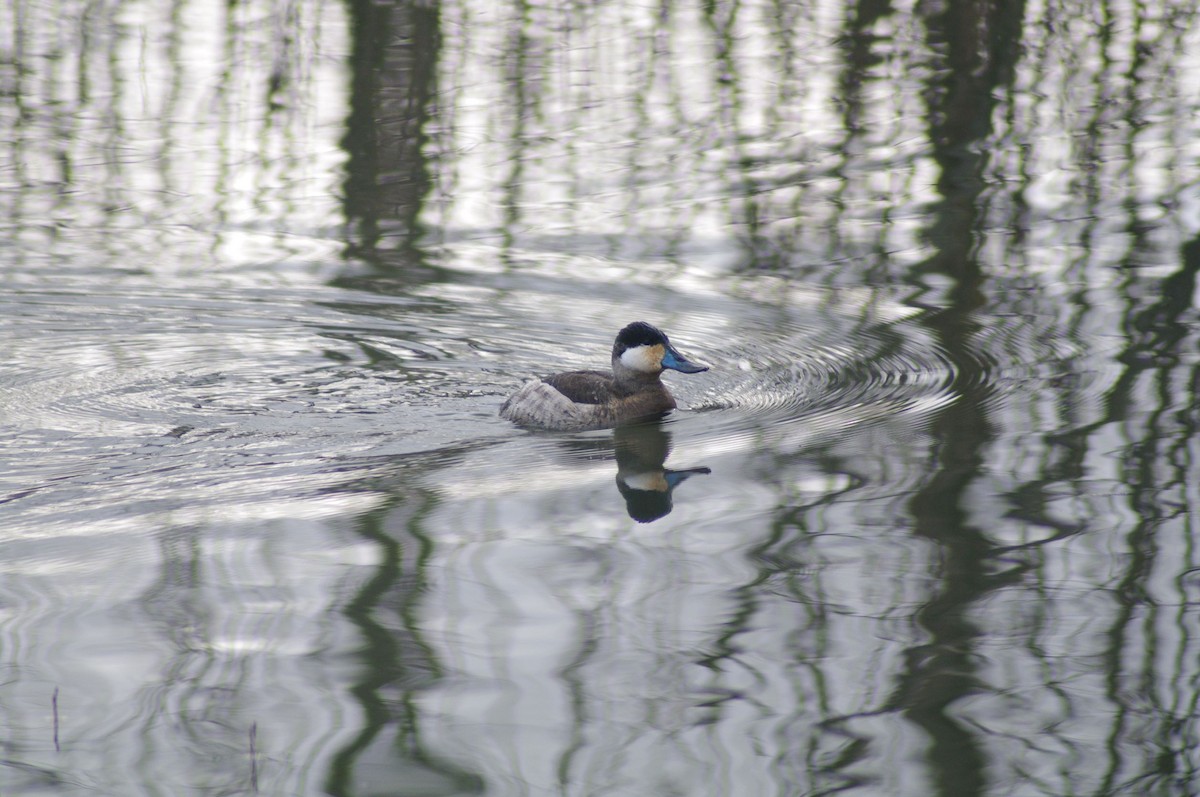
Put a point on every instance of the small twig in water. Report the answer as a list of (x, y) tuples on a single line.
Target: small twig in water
[(253, 757), (54, 706)]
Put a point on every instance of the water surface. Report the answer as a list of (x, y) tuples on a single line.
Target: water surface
[(926, 526)]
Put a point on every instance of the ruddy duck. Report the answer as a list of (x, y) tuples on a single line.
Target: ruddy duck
[(579, 400)]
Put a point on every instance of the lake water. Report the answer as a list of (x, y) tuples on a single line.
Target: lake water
[(928, 526)]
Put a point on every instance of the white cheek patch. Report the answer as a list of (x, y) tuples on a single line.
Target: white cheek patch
[(647, 482), (647, 359)]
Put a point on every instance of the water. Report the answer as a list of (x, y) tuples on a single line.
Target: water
[(926, 526)]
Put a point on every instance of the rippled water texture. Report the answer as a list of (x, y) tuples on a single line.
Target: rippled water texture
[(925, 527)]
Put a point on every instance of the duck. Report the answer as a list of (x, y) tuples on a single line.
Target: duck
[(582, 400)]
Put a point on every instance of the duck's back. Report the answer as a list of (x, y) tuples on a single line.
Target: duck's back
[(576, 400), (581, 400), (586, 387)]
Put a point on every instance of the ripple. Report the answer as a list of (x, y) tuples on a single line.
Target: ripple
[(790, 361), (798, 371), (119, 398)]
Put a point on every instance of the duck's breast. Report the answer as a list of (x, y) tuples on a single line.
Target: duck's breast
[(645, 404)]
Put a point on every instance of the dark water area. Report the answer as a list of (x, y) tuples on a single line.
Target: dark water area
[(925, 527)]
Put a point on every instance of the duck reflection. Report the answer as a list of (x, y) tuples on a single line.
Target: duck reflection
[(645, 484)]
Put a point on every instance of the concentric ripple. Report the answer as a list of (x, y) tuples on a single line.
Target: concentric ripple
[(824, 364), (116, 401)]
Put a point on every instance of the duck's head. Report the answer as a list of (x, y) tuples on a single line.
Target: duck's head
[(645, 349)]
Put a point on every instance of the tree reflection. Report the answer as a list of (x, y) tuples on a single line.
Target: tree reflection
[(393, 62)]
